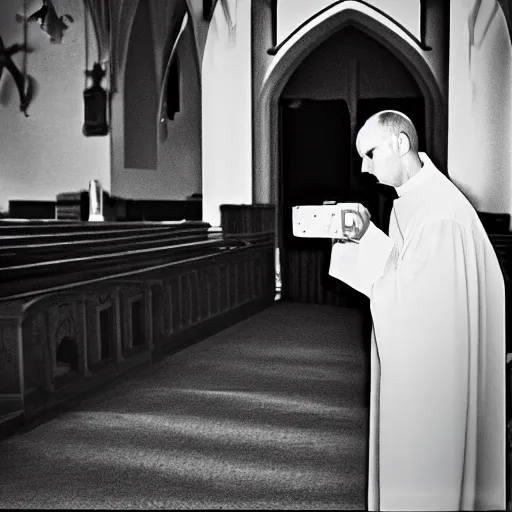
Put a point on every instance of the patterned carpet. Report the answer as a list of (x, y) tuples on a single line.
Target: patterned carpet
[(267, 414)]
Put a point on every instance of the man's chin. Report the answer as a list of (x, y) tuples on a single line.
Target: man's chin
[(368, 180), (388, 191)]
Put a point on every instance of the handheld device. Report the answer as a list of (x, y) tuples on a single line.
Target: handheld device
[(340, 220)]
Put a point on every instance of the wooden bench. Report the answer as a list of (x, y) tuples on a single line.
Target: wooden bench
[(80, 312)]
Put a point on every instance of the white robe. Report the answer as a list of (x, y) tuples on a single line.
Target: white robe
[(437, 298)]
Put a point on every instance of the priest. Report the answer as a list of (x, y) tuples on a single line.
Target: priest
[(437, 298)]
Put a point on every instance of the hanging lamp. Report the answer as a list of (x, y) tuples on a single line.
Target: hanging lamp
[(95, 97)]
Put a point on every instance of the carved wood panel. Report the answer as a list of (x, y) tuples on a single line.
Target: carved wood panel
[(36, 352), (159, 317), (164, 303), (9, 371)]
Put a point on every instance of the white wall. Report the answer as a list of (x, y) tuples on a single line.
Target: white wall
[(480, 108), (227, 114), (46, 153), (292, 13)]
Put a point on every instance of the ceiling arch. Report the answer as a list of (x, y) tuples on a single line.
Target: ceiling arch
[(122, 27)]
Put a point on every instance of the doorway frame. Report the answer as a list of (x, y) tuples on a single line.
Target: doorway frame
[(266, 170)]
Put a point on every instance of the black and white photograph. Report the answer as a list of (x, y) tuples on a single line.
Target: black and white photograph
[(256, 255)]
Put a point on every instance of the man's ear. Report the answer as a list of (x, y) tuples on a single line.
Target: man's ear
[(404, 144)]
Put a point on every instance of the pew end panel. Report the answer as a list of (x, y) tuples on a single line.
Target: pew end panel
[(12, 384)]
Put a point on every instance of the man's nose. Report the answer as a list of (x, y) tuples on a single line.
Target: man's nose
[(366, 166)]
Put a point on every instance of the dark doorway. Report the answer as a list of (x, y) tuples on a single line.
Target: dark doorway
[(316, 150), (316, 167), (319, 162), (347, 78)]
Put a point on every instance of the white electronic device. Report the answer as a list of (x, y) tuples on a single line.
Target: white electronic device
[(340, 220)]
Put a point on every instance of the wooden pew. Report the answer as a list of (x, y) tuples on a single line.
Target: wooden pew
[(35, 259), (77, 313), (40, 245), (75, 206), (26, 209), (13, 227)]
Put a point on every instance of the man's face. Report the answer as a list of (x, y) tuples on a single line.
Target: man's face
[(380, 154)]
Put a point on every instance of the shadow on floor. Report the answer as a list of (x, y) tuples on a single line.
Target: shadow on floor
[(269, 413)]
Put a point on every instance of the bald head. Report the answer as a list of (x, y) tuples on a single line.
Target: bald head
[(391, 122), (388, 145)]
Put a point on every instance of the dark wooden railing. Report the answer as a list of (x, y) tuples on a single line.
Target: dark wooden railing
[(21, 209), (247, 219), (502, 244), (92, 300), (75, 206), (305, 277)]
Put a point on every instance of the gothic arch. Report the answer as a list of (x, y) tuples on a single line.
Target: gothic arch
[(148, 157), (194, 29), (140, 110), (289, 57), (123, 28)]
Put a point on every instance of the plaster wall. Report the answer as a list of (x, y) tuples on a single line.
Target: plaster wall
[(46, 153)]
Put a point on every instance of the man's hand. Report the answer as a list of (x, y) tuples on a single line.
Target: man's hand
[(339, 241), (361, 225), (365, 216)]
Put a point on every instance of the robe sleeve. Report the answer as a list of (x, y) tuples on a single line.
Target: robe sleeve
[(360, 265)]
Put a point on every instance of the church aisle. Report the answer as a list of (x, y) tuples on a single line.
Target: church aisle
[(267, 414)]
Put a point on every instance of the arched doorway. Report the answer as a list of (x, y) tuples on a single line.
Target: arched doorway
[(345, 80), (423, 101)]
